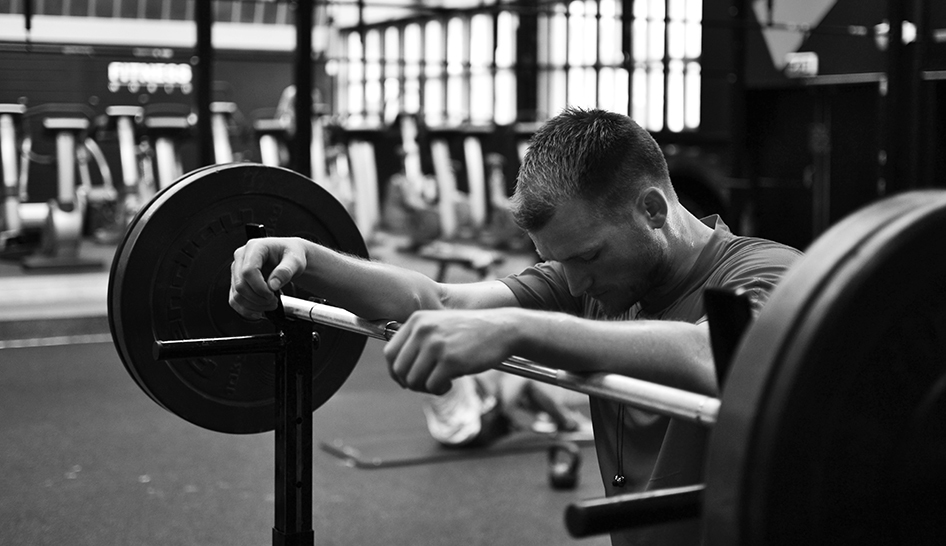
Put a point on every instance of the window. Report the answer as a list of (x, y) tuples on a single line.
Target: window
[(434, 73), (450, 70), (480, 47), (457, 81), (507, 24), (666, 73), (580, 60), (462, 69)]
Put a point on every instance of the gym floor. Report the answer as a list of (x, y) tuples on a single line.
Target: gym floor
[(86, 458)]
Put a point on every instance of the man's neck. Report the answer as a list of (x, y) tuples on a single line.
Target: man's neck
[(686, 244)]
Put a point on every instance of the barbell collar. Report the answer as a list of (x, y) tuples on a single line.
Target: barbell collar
[(661, 399)]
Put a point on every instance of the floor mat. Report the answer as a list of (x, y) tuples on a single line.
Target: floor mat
[(419, 448)]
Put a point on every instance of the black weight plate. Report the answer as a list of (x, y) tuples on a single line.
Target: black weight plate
[(170, 280), (831, 426)]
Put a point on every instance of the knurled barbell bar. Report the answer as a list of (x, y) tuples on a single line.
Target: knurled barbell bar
[(830, 428), (661, 399)]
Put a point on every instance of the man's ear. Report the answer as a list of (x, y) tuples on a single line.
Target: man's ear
[(654, 206)]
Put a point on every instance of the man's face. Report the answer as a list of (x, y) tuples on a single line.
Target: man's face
[(615, 261)]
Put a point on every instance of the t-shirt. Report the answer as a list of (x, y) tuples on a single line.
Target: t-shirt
[(659, 452)]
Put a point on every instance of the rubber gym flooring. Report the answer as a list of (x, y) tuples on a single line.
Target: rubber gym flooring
[(86, 458)]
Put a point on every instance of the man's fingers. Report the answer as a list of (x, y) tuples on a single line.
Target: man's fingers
[(282, 274), (244, 311), (397, 358), (417, 372), (409, 358), (246, 273), (414, 364), (259, 268), (438, 382), (289, 262)]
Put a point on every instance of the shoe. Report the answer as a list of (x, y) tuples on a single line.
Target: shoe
[(456, 418)]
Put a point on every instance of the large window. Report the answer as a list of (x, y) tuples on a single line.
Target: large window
[(453, 70), (581, 61), (590, 53), (580, 57), (666, 47)]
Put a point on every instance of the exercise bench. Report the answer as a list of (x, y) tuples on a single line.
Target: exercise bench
[(470, 257)]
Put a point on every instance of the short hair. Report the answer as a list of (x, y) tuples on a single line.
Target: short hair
[(603, 157)]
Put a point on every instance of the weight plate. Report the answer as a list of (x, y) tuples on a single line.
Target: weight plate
[(834, 389), (170, 280)]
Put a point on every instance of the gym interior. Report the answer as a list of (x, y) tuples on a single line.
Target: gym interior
[(820, 124)]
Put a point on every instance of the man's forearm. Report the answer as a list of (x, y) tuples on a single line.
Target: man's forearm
[(370, 289), (677, 354)]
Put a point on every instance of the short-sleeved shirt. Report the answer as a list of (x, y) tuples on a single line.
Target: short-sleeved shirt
[(659, 452)]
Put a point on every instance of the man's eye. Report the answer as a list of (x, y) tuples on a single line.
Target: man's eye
[(590, 257)]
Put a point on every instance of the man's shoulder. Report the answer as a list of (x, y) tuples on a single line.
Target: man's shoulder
[(756, 248), (747, 259), (731, 246)]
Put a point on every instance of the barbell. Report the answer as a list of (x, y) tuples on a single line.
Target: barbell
[(831, 426), (660, 399)]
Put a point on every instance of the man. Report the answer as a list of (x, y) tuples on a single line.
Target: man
[(620, 291)]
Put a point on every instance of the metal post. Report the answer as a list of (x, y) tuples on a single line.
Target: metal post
[(901, 114), (527, 108), (739, 10), (927, 139), (293, 486), (203, 17), (302, 140)]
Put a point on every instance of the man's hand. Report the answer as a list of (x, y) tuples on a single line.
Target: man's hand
[(433, 347), (260, 268)]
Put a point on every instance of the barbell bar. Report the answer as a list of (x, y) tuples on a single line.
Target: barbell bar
[(661, 399)]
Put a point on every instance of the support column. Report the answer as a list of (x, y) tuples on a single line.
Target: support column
[(293, 485), (301, 153), (203, 17)]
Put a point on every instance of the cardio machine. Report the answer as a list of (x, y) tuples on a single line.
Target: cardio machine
[(56, 147), (15, 241)]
